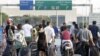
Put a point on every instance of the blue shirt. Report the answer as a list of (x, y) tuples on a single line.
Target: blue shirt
[(94, 29), (56, 30)]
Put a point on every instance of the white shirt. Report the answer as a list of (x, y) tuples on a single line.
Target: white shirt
[(27, 30), (19, 36), (72, 29), (49, 32)]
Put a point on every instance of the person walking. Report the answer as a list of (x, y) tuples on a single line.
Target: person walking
[(74, 37), (66, 38), (62, 27), (50, 34), (20, 41), (56, 31), (42, 44), (9, 31), (72, 28), (95, 30), (86, 40), (27, 31), (75, 32)]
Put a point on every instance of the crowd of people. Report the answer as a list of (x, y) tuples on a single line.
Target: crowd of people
[(84, 39), (44, 34), (22, 35)]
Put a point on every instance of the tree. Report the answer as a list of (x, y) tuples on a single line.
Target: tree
[(4, 17)]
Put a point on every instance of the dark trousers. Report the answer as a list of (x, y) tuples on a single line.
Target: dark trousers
[(85, 49), (46, 52), (95, 39), (17, 50), (10, 50)]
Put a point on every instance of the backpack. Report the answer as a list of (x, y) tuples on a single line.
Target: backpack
[(10, 34)]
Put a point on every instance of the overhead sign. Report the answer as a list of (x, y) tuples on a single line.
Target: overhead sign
[(26, 4), (53, 4)]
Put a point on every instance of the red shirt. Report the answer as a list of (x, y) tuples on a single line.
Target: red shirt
[(66, 35)]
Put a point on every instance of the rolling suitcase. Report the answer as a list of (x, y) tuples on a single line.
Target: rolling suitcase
[(51, 50), (30, 50), (93, 51), (33, 48)]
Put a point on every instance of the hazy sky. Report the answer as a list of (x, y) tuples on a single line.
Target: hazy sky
[(96, 4)]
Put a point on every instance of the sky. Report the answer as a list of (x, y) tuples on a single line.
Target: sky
[(96, 4)]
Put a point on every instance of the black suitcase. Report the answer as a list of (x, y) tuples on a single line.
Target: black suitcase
[(93, 51)]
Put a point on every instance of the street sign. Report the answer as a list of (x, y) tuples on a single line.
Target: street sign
[(26, 4), (53, 4)]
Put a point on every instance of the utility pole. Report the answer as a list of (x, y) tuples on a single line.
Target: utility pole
[(57, 15), (1, 15)]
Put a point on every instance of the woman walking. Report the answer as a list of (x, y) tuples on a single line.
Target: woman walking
[(42, 45)]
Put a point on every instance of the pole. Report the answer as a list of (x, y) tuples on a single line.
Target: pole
[(86, 19), (82, 20), (0, 16), (57, 15), (91, 11)]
